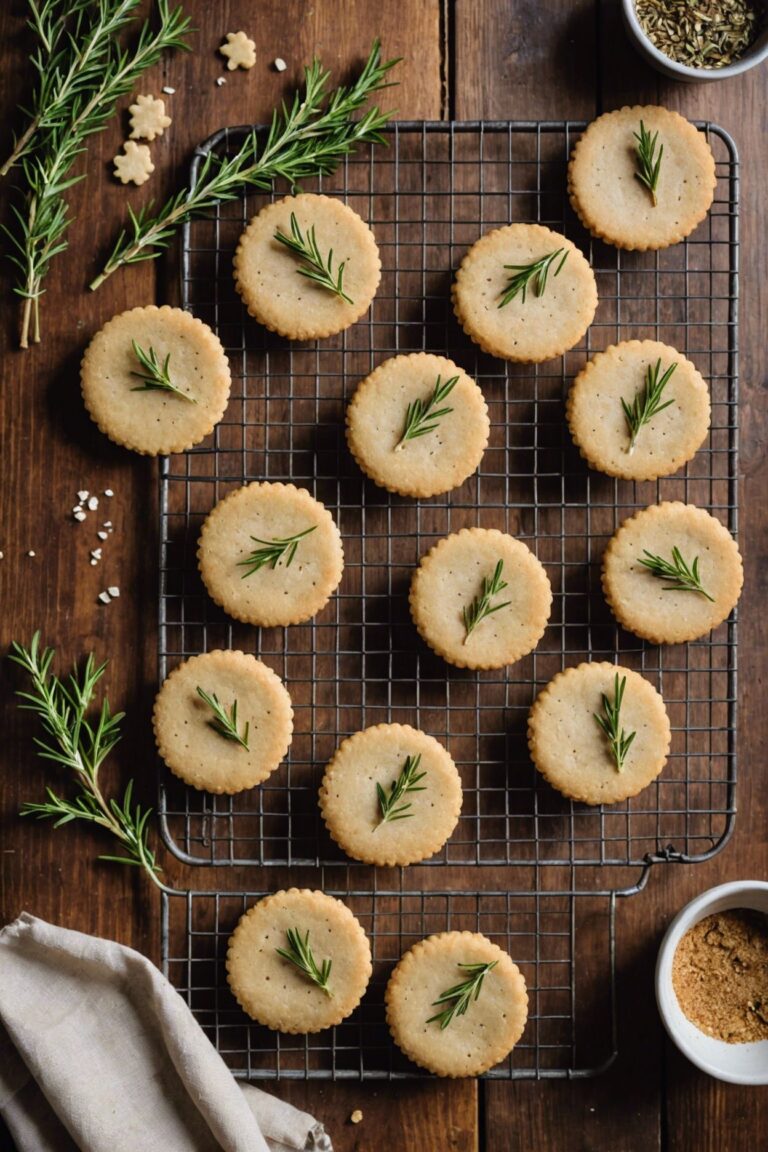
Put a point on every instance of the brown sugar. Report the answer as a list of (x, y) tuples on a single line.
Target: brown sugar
[(720, 975)]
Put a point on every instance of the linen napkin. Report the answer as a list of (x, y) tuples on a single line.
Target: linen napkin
[(98, 1052)]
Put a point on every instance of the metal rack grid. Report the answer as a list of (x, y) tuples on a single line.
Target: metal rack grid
[(428, 197)]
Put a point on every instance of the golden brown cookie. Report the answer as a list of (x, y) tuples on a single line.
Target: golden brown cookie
[(573, 751), (418, 425), (692, 542), (473, 1041), (270, 554), (547, 316), (274, 990), (391, 795), (204, 741), (137, 414), (615, 205), (473, 613), (268, 274), (630, 374)]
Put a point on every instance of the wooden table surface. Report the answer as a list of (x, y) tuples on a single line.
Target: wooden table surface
[(469, 59)]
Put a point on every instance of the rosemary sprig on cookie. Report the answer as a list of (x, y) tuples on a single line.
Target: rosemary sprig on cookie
[(684, 577), (307, 138), (461, 995), (619, 741), (647, 403), (408, 781), (481, 606), (224, 723), (317, 269), (76, 743), (534, 274), (272, 552), (155, 377), (648, 160), (423, 416), (300, 955)]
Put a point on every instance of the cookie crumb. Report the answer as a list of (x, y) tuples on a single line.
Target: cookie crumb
[(93, 503), (107, 492), (31, 553), (356, 1116), (114, 591), (83, 495), (220, 81), (102, 535), (279, 64), (104, 597), (79, 515), (169, 91)]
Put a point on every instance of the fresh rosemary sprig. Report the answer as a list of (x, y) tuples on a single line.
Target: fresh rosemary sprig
[(461, 995), (407, 781), (223, 723), (155, 377), (74, 742), (272, 552), (481, 605), (647, 402), (300, 955), (683, 577), (308, 138), (316, 268), (648, 160), (422, 416), (610, 722), (535, 274)]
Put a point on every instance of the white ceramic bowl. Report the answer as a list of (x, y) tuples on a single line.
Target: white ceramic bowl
[(736, 1063), (669, 67)]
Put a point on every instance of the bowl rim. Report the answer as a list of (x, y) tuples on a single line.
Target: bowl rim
[(690, 914), (754, 55)]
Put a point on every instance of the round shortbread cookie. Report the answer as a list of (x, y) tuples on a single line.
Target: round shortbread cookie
[(426, 464), (531, 327), (156, 421), (615, 205), (195, 749), (573, 752), (252, 521), (267, 273), (600, 427), (274, 991), (351, 807), (644, 603), (489, 1028), (454, 575)]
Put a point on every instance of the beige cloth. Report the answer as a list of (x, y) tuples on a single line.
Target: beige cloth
[(99, 1053)]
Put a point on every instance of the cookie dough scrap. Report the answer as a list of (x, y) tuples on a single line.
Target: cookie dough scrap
[(239, 50), (134, 165)]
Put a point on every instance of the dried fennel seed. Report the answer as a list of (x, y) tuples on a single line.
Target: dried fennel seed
[(707, 34)]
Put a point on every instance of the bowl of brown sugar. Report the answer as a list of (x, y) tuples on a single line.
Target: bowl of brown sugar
[(712, 981)]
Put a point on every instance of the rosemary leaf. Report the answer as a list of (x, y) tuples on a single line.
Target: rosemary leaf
[(461, 995), (648, 160), (423, 416), (317, 269), (224, 723), (481, 606), (647, 402), (155, 377), (272, 552), (408, 781), (300, 955), (535, 274), (610, 721), (683, 577)]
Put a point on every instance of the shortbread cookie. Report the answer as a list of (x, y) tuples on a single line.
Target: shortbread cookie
[(615, 205), (134, 164), (270, 276), (473, 1041), (549, 313), (223, 721), (418, 425), (270, 554), (473, 613), (128, 401), (573, 751), (239, 50), (391, 795), (691, 541), (628, 374), (277, 993), (148, 118)]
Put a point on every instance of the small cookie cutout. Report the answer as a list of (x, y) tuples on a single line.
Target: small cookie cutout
[(648, 605), (350, 805), (572, 751), (148, 118), (134, 165), (188, 740), (481, 1037), (239, 50), (271, 989)]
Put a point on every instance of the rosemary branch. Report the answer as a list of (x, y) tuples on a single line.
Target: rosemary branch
[(647, 402), (74, 742), (610, 721), (300, 955), (422, 416), (307, 138), (222, 722), (316, 268), (481, 606), (535, 274), (272, 552), (155, 377), (648, 160), (461, 995), (684, 577), (407, 781)]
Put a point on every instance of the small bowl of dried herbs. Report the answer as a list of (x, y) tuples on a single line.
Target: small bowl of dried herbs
[(712, 982), (695, 40)]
